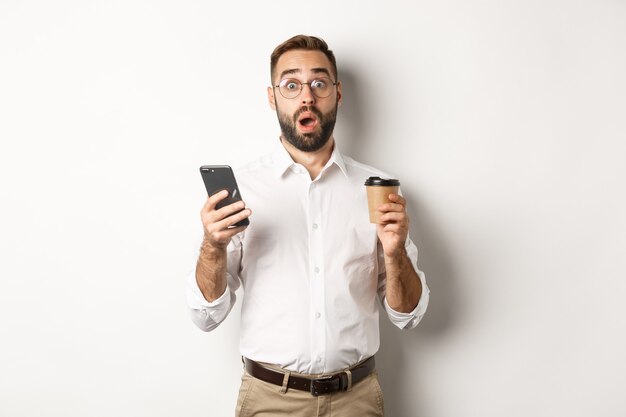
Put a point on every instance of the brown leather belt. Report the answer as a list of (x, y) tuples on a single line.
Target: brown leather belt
[(316, 386)]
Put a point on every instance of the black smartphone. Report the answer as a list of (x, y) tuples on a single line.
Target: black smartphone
[(220, 177)]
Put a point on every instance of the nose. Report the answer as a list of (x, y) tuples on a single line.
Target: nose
[(307, 96)]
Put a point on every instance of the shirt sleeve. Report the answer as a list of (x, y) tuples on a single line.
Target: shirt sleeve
[(403, 320), (208, 315)]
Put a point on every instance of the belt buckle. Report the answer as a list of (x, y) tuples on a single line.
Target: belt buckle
[(316, 390), (328, 384)]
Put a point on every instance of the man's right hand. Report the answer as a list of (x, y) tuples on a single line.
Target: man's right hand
[(217, 222)]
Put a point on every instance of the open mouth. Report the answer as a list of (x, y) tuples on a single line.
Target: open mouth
[(307, 121)]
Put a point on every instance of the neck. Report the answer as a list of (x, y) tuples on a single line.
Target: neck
[(314, 161)]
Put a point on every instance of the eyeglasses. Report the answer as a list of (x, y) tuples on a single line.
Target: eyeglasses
[(291, 88)]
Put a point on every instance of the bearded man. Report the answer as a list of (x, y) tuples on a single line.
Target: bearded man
[(315, 272)]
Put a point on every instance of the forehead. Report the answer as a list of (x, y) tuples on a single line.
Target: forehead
[(300, 61)]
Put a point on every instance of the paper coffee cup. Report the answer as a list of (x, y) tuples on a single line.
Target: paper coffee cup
[(378, 190)]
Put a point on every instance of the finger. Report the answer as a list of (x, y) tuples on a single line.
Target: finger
[(212, 201), (395, 228), (223, 238), (214, 220), (397, 198), (394, 216), (223, 231), (214, 216), (391, 207), (229, 209), (229, 221), (227, 234)]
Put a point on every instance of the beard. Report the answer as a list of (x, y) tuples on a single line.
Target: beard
[(308, 142)]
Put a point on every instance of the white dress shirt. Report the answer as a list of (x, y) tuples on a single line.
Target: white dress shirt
[(311, 266)]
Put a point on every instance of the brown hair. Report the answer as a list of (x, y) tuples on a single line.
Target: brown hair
[(309, 43)]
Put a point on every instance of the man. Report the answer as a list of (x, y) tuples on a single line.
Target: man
[(313, 269)]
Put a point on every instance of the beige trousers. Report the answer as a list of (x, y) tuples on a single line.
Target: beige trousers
[(261, 399)]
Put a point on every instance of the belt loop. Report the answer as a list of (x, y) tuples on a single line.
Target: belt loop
[(283, 389), (349, 374)]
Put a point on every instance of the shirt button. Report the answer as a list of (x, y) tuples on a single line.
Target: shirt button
[(314, 225), (318, 315), (317, 270), (318, 359), (204, 312)]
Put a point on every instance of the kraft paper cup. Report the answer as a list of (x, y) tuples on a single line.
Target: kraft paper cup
[(378, 190)]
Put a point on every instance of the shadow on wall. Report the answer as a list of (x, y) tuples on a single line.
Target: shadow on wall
[(399, 354), (351, 118), (433, 259)]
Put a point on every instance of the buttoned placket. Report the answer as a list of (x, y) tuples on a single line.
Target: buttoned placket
[(316, 278)]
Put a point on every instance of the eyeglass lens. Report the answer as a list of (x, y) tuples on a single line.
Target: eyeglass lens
[(291, 87)]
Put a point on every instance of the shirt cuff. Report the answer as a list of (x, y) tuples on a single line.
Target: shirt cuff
[(409, 320), (208, 313)]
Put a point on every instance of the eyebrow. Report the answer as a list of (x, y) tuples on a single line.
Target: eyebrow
[(320, 70)]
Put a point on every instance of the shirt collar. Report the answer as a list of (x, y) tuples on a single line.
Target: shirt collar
[(281, 158), (337, 159), (283, 162)]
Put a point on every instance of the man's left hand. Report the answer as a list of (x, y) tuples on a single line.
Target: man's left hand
[(395, 228)]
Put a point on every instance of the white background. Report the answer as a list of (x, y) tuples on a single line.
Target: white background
[(505, 121)]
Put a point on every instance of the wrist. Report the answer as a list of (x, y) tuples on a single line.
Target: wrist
[(211, 248), (396, 256)]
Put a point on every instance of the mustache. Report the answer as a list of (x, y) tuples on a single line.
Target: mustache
[(310, 109)]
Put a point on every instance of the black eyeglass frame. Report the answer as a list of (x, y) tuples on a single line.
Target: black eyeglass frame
[(302, 86)]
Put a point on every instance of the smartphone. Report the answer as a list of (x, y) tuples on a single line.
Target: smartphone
[(220, 177)]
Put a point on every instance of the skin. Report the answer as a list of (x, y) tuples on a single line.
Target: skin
[(404, 288), (305, 65)]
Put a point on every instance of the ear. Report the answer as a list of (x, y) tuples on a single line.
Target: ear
[(271, 98), (339, 95)]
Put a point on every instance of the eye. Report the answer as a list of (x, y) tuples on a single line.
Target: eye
[(290, 84), (318, 84)]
